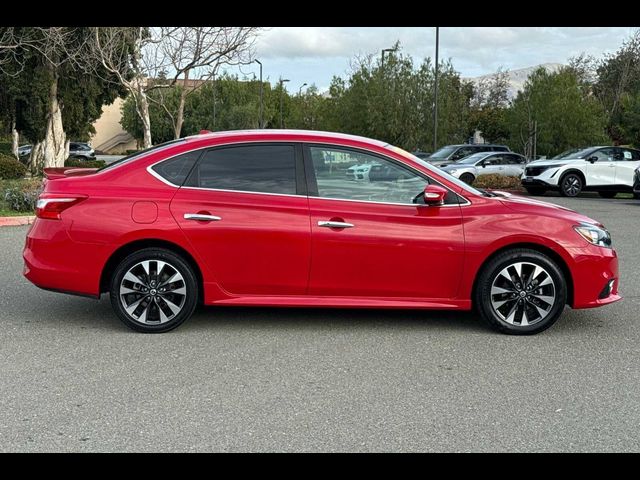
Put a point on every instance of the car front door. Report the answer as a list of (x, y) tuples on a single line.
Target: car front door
[(627, 162), (245, 211), (370, 240), (603, 170)]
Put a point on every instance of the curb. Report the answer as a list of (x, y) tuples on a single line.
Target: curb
[(16, 221)]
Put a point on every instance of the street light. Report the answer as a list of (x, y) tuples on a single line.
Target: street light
[(435, 96), (300, 89), (261, 124), (282, 80), (394, 49)]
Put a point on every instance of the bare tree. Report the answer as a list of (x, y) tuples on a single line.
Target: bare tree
[(194, 55), (128, 56)]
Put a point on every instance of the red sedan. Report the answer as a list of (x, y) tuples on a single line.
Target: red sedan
[(301, 218)]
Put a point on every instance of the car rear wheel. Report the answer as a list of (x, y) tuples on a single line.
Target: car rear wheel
[(571, 185), (536, 190), (467, 178), (153, 290), (520, 292), (607, 194)]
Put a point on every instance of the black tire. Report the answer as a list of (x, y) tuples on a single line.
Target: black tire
[(636, 195), (467, 178), (160, 303), (491, 272), (571, 185), (607, 194), (536, 190)]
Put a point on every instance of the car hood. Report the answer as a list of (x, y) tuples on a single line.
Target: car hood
[(559, 161), (530, 206)]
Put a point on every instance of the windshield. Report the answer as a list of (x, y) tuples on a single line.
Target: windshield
[(136, 155), (444, 152), (576, 153), (471, 159)]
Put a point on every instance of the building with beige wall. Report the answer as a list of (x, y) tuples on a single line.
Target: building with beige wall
[(110, 137)]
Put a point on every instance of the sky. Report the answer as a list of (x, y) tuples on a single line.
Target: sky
[(313, 55)]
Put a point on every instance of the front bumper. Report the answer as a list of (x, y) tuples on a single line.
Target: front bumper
[(534, 182), (594, 267)]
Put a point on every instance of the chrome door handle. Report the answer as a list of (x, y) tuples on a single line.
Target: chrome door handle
[(330, 224), (201, 217)]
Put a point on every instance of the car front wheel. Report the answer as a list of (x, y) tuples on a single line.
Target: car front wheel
[(571, 185), (520, 292), (153, 290), (467, 178)]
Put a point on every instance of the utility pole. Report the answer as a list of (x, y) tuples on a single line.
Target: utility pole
[(261, 124), (282, 80), (435, 95)]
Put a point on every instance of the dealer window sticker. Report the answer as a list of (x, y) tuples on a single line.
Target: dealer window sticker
[(627, 155)]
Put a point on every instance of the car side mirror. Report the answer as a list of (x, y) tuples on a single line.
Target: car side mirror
[(434, 195), (592, 159)]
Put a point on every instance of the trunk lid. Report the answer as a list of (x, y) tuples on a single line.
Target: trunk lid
[(52, 173)]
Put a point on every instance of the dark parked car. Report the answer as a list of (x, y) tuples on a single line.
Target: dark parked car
[(421, 155), (453, 153)]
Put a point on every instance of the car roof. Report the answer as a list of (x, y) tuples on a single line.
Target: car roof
[(287, 134)]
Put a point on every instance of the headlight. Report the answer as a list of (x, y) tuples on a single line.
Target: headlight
[(594, 234)]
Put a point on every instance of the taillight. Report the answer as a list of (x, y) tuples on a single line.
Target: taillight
[(51, 207)]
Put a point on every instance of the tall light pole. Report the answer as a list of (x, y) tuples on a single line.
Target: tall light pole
[(261, 124), (394, 49), (282, 80), (435, 95), (300, 89)]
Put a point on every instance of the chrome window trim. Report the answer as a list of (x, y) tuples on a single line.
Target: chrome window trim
[(167, 182)]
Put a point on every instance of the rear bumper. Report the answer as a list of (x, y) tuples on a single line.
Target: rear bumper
[(53, 261), (592, 271)]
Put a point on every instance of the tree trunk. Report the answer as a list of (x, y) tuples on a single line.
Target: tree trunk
[(55, 138), (36, 159), (142, 106), (15, 140), (180, 117)]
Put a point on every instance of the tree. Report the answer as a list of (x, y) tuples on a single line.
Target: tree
[(489, 107), (196, 54), (565, 114)]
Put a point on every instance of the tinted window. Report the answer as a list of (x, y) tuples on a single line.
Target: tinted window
[(630, 155), (176, 169), (355, 175), (250, 168), (499, 149), (514, 159), (462, 152), (495, 160), (604, 154)]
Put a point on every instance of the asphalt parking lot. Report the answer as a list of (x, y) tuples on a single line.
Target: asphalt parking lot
[(73, 378)]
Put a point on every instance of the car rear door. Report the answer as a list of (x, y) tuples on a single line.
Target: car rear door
[(370, 240), (628, 161), (514, 164), (245, 211)]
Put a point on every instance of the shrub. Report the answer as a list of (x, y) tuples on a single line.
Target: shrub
[(73, 162), (10, 168), (22, 197), (498, 182)]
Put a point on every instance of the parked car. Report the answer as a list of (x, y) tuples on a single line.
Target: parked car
[(24, 150), (487, 163), (636, 184), (606, 170), (358, 172), (243, 218), (78, 150), (421, 155), (82, 151), (453, 153)]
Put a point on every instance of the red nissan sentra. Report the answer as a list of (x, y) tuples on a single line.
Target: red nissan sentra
[(302, 218)]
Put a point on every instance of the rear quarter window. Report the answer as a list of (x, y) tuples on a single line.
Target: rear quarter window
[(176, 170)]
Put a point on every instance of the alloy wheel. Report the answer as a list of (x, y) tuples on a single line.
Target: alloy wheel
[(153, 292), (572, 185), (523, 294)]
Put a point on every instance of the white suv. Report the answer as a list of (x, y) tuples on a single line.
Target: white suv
[(606, 170)]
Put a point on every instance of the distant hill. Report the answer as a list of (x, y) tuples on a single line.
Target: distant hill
[(517, 78)]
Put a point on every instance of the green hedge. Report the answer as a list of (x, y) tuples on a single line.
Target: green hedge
[(5, 149), (11, 168), (20, 195), (73, 162)]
